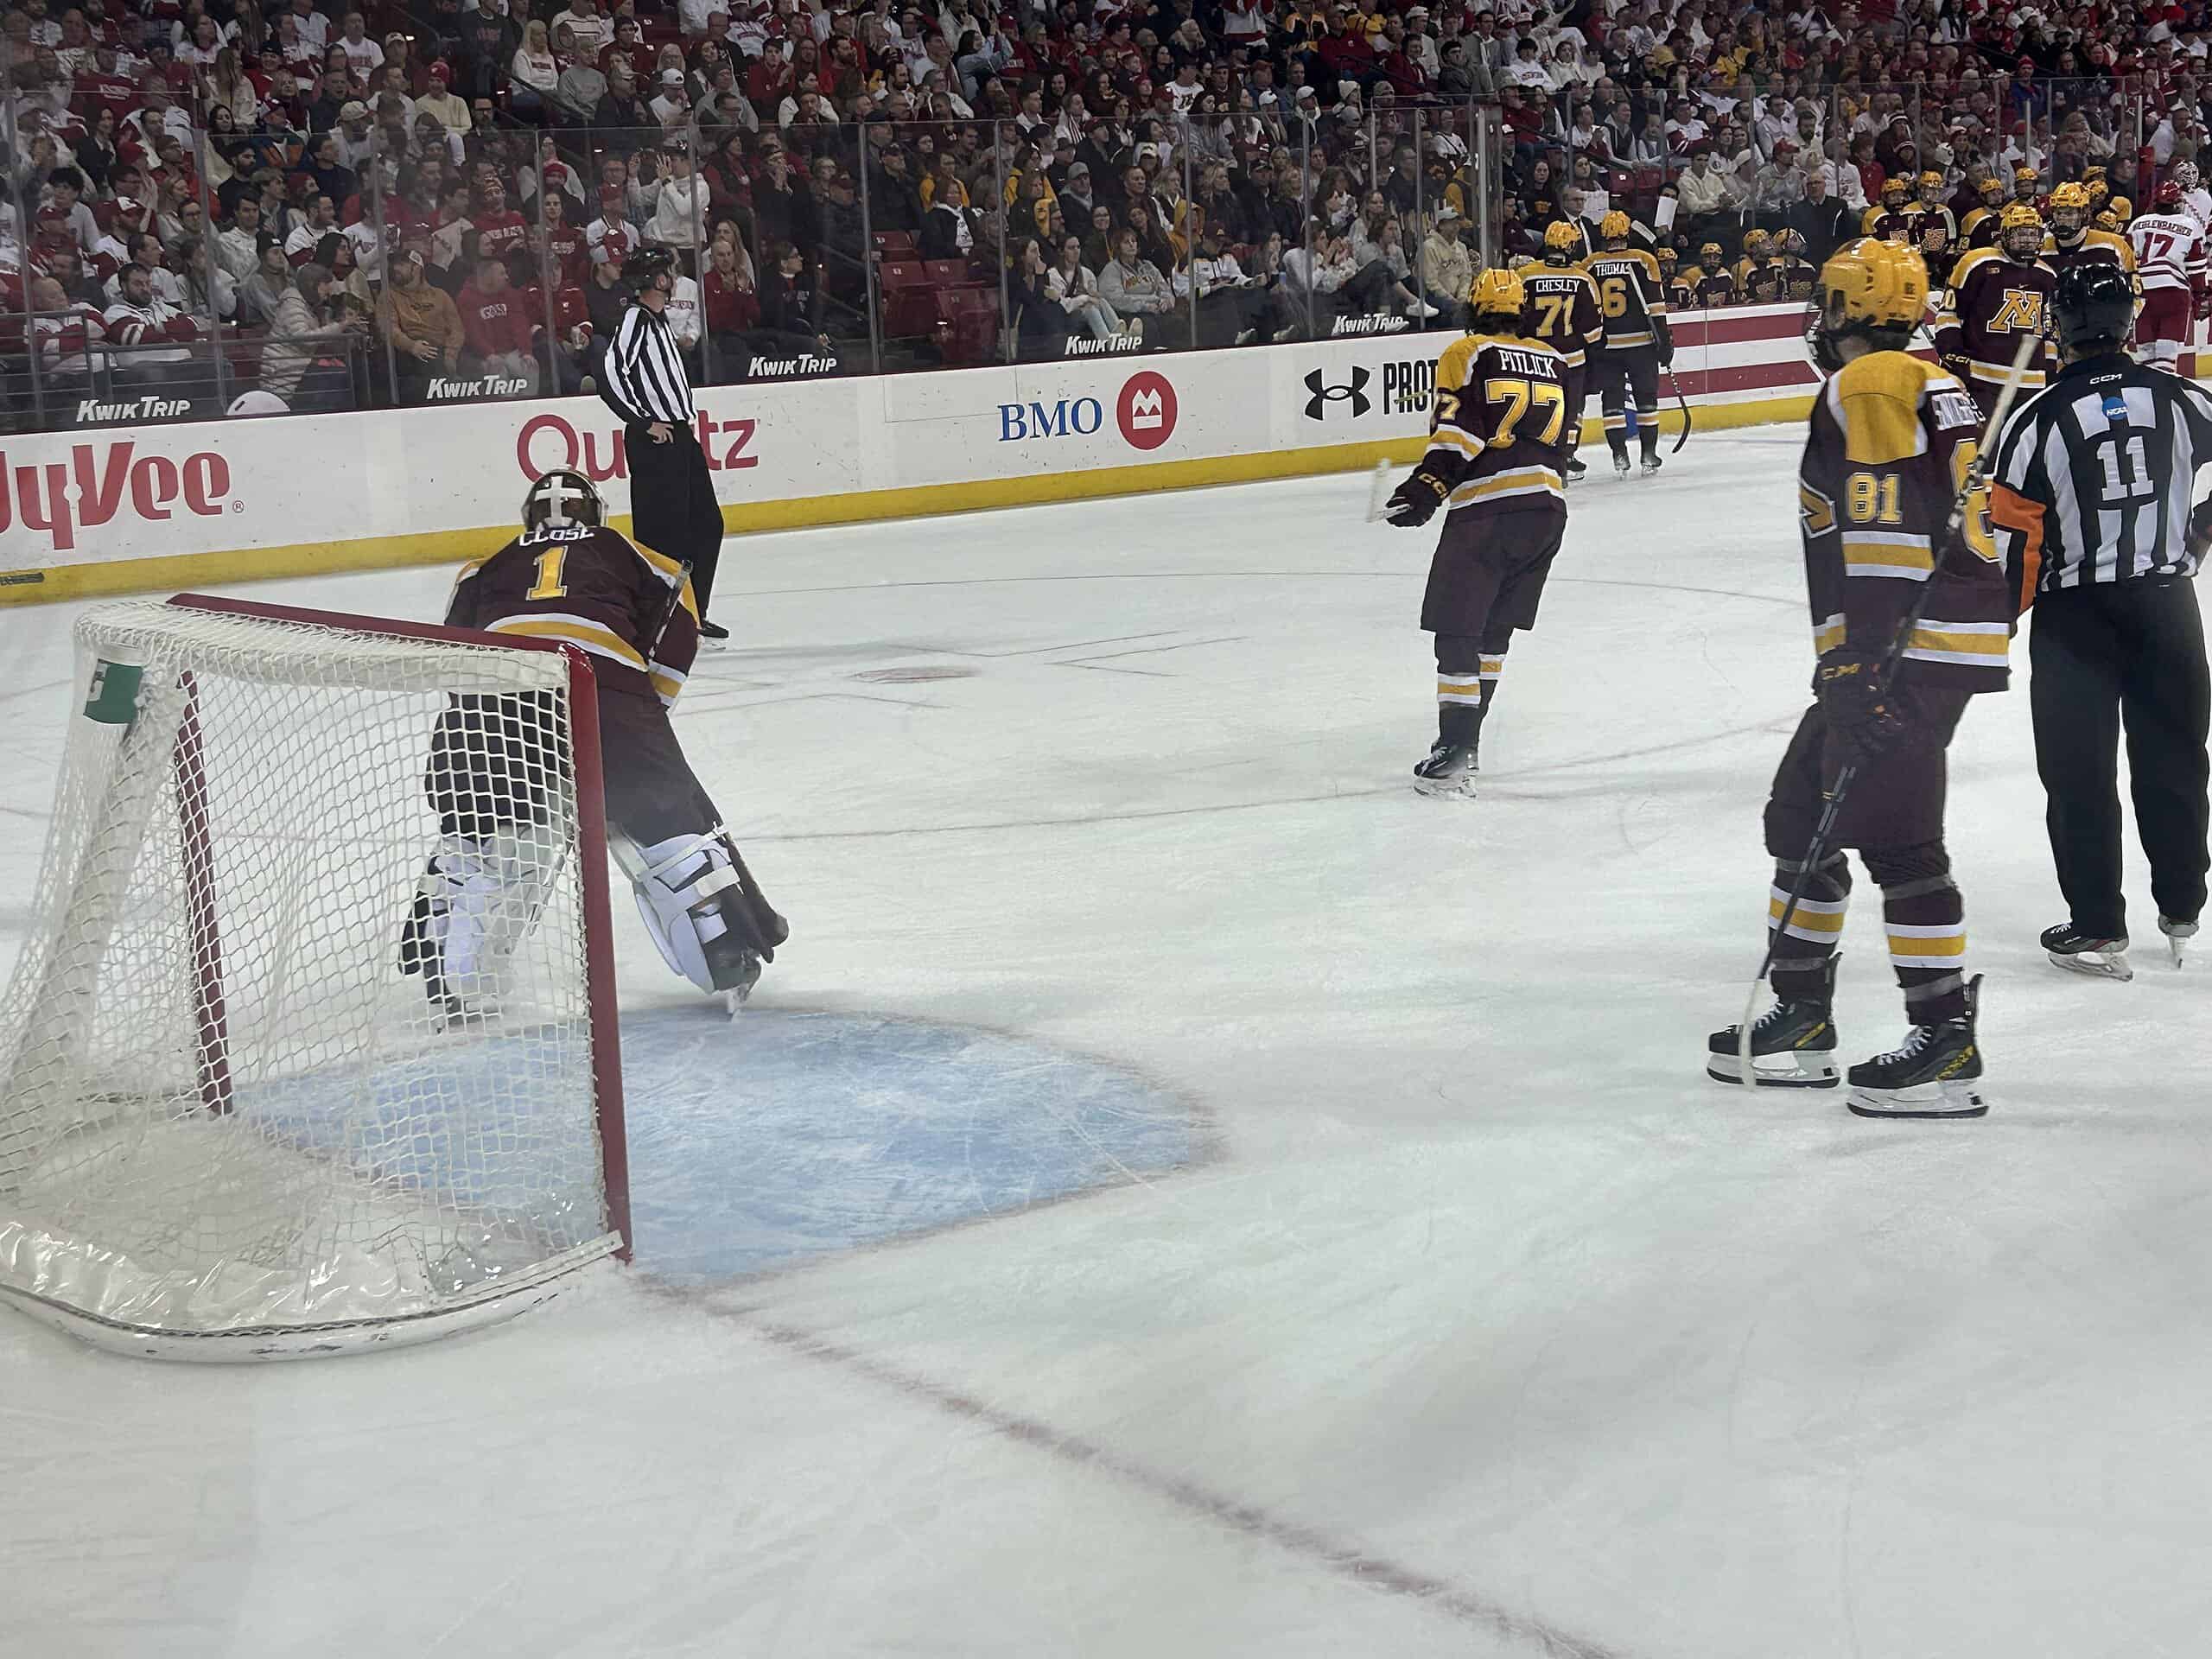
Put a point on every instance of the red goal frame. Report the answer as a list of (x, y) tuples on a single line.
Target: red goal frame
[(591, 831)]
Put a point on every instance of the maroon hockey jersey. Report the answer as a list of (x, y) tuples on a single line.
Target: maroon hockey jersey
[(594, 588)]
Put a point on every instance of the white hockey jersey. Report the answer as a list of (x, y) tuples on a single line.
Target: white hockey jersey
[(2197, 204), (2169, 251)]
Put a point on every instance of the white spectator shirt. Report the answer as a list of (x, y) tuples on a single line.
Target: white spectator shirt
[(2169, 251), (314, 29), (300, 246), (596, 232), (364, 57), (128, 325), (682, 314), (64, 339)]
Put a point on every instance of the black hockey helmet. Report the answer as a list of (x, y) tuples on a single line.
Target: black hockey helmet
[(562, 497), (2092, 308), (646, 265)]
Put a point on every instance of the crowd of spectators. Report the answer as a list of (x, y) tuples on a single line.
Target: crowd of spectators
[(428, 199)]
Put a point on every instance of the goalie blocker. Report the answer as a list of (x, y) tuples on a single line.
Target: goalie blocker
[(568, 577)]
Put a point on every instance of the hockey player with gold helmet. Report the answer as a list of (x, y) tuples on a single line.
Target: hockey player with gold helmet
[(2074, 238), (1891, 438), (1498, 437), (1565, 313), (1714, 283), (1995, 294), (1637, 342)]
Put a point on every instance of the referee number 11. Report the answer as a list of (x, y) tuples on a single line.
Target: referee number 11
[(2137, 479)]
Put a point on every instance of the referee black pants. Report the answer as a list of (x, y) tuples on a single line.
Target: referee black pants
[(2126, 655), (672, 505)]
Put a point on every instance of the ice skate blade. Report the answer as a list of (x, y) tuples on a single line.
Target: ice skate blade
[(1461, 789), (2095, 965), (1790, 1070), (1950, 1099)]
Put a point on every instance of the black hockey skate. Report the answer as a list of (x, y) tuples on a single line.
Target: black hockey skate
[(1652, 463), (2069, 948), (1575, 471), (1450, 770), (1793, 1044), (1936, 1072), (2177, 936), (1620, 463)]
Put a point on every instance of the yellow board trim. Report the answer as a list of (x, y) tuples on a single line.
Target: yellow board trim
[(174, 572)]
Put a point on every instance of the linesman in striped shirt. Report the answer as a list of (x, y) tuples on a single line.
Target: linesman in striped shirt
[(2091, 499), (1893, 439), (643, 381)]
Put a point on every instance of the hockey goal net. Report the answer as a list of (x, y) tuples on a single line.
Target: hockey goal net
[(231, 1125)]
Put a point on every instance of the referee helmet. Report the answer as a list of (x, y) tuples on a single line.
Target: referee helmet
[(2092, 308), (647, 265)]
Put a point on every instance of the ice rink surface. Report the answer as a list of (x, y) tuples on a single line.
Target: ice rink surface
[(1437, 1305)]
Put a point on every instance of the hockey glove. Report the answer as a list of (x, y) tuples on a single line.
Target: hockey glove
[(1865, 719), (1663, 341), (1957, 365), (1416, 501)]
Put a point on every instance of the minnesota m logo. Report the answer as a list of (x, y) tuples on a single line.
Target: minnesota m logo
[(2022, 308)]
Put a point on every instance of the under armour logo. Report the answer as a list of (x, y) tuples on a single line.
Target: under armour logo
[(1324, 395)]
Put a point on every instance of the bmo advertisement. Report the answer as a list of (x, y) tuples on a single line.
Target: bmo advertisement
[(125, 510)]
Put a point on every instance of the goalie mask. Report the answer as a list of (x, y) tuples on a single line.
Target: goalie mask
[(563, 498)]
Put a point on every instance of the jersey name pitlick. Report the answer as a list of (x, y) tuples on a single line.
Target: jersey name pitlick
[(1526, 362)]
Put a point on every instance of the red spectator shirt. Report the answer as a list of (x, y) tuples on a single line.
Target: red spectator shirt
[(498, 235), (116, 93), (570, 251), (491, 323)]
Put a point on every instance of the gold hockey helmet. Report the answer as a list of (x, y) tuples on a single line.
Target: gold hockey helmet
[(1894, 191), (1932, 180), (1709, 255), (1667, 258), (1868, 287), (2121, 208), (2019, 231), (1992, 191), (1499, 293), (2070, 208), (1561, 236), (1754, 244), (1614, 226)]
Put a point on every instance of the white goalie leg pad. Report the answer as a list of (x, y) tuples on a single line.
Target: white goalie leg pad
[(683, 885), (485, 895)]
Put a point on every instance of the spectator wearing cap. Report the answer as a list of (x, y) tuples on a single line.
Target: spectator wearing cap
[(671, 104), (440, 99), (622, 118), (262, 294), (894, 198), (419, 323), (1447, 269)]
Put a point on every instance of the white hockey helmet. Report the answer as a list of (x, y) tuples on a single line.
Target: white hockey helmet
[(563, 496)]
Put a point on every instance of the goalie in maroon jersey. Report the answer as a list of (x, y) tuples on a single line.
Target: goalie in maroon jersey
[(570, 577)]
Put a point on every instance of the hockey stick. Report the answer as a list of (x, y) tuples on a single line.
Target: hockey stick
[(1378, 493), (1817, 849), (1682, 404)]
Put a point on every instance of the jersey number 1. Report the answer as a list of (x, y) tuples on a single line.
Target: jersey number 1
[(549, 574)]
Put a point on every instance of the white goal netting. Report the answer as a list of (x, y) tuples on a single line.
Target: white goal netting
[(232, 1121)]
